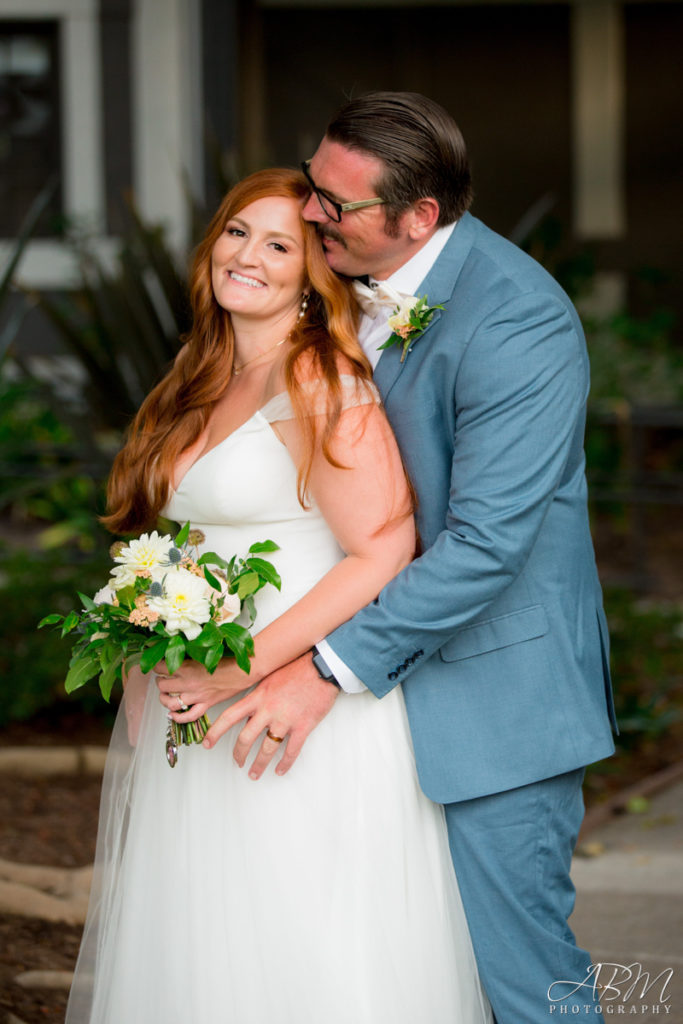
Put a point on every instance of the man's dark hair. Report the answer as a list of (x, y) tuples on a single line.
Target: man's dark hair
[(418, 142)]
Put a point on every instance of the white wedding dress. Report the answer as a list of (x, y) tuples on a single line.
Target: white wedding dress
[(326, 896)]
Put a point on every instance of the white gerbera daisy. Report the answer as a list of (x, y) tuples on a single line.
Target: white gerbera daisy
[(145, 556), (185, 604)]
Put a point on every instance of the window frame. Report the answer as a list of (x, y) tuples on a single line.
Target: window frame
[(46, 262)]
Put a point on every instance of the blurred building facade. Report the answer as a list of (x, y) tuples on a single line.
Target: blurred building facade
[(573, 109)]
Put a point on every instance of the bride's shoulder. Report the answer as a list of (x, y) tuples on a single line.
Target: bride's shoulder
[(352, 387)]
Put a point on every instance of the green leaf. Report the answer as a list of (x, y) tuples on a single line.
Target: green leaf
[(240, 642), (264, 545), (50, 620), (212, 658), (638, 805), (113, 611), (111, 674), (251, 609), (87, 602), (210, 634), (182, 536), (127, 596), (175, 653), (266, 571), (211, 580), (242, 660), (108, 653), (80, 672), (391, 340), (209, 637), (247, 584), (211, 558), (152, 655), (70, 622)]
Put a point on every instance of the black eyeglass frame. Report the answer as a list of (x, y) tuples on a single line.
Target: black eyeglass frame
[(338, 208)]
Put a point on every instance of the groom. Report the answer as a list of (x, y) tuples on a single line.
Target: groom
[(496, 632)]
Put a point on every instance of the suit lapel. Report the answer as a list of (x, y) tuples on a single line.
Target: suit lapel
[(438, 286)]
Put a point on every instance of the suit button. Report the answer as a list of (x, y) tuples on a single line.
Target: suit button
[(392, 676), (402, 668), (418, 654)]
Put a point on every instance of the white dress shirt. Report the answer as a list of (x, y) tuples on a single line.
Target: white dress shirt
[(373, 332)]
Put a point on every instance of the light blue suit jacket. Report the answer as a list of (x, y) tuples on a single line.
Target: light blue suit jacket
[(496, 632)]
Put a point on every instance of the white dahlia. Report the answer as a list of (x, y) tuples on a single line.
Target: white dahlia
[(145, 556), (185, 604), (105, 595)]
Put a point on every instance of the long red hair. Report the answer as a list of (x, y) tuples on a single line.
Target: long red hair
[(176, 412)]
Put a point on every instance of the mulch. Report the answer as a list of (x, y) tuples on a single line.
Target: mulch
[(49, 821), (44, 821), (29, 945)]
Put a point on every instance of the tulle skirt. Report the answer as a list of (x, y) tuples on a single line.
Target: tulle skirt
[(326, 896)]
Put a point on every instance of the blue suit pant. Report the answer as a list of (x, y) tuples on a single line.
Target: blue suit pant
[(512, 854)]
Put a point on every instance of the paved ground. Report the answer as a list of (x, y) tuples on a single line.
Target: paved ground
[(629, 910)]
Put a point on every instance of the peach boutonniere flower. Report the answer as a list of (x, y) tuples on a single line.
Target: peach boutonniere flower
[(410, 319)]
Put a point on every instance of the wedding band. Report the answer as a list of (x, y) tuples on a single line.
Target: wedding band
[(275, 739)]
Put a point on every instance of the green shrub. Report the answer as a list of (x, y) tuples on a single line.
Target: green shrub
[(33, 665)]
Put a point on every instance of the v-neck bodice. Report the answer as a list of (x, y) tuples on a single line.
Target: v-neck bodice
[(244, 489)]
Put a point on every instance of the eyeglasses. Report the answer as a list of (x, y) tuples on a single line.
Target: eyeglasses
[(330, 208)]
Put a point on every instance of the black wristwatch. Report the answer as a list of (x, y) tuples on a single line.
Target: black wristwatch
[(323, 669)]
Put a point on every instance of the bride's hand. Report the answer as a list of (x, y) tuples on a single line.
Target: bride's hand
[(194, 686)]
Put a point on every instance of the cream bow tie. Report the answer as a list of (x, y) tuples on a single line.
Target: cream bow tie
[(373, 300)]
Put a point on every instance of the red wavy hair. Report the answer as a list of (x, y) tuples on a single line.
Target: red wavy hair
[(176, 412)]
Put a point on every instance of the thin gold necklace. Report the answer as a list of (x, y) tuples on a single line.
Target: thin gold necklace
[(238, 369)]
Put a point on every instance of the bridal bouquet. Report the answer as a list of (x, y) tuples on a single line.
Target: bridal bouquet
[(163, 602)]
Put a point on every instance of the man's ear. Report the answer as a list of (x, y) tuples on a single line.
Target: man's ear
[(422, 218)]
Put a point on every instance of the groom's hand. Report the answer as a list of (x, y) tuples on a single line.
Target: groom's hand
[(288, 704)]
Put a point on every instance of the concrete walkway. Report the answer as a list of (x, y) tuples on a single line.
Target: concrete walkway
[(629, 910)]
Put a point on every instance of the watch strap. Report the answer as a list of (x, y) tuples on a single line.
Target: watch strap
[(323, 669)]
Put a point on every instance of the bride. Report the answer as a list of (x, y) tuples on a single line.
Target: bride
[(325, 896)]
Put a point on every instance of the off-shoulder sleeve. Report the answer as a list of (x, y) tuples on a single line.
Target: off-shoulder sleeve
[(354, 392)]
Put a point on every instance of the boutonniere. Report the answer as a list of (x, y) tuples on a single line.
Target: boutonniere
[(410, 319)]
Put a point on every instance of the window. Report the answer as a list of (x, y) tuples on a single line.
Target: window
[(30, 122)]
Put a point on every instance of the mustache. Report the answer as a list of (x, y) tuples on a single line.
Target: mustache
[(328, 232)]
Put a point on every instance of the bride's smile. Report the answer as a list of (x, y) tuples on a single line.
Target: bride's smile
[(251, 281), (257, 266)]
